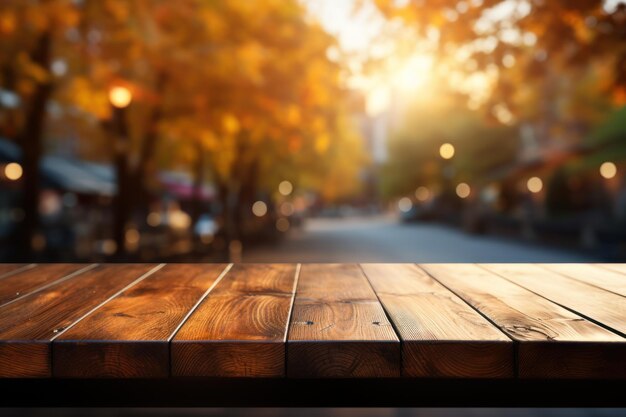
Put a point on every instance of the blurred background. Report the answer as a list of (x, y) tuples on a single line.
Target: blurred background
[(312, 130)]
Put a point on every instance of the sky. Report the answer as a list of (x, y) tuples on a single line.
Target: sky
[(355, 30), (364, 33), (360, 36)]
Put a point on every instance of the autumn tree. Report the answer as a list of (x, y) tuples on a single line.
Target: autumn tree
[(272, 106), (540, 39), (28, 33), (243, 90)]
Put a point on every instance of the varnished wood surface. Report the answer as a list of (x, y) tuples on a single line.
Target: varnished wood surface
[(129, 336), (28, 325), (601, 306), (23, 281), (10, 269), (441, 335), (552, 341), (592, 274), (339, 328), (442, 321), (240, 329)]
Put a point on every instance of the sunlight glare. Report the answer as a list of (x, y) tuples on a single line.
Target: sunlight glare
[(378, 100), (414, 74)]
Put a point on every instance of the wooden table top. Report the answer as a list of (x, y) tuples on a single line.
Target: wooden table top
[(510, 321)]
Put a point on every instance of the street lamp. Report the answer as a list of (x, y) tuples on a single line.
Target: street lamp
[(120, 97)]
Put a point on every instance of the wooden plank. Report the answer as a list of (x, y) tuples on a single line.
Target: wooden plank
[(129, 336), (28, 326), (595, 304), (6, 270), (339, 328), (441, 335), (552, 341), (240, 329), (26, 281), (620, 268), (593, 275)]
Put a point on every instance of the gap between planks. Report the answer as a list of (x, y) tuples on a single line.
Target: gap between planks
[(195, 306), (50, 284), (393, 324), (573, 310), (493, 323), (17, 270), (138, 280)]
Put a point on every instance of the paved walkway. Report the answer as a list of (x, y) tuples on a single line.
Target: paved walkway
[(384, 239)]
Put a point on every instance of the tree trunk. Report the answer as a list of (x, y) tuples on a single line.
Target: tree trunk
[(149, 143), (197, 203), (122, 202), (131, 180), (247, 194), (31, 141)]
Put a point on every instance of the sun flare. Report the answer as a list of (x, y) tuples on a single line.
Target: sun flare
[(413, 74)]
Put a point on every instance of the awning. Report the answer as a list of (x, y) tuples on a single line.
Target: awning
[(67, 174), (78, 176)]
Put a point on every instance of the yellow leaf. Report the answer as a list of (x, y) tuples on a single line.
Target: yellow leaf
[(230, 123), (7, 22), (322, 142)]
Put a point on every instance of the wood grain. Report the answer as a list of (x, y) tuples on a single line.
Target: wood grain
[(129, 336), (552, 341), (7, 270), (313, 321), (26, 281), (594, 303), (240, 329), (592, 274), (441, 335), (339, 328), (28, 325), (620, 268)]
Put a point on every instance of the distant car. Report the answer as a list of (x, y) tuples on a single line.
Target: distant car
[(421, 212)]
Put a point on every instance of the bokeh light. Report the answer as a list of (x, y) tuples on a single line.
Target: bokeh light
[(447, 151), (285, 188), (282, 225), (178, 219), (108, 247), (153, 219), (608, 170), (534, 184), (422, 193), (405, 204), (287, 209), (259, 209), (120, 97), (132, 237), (463, 190), (13, 171)]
